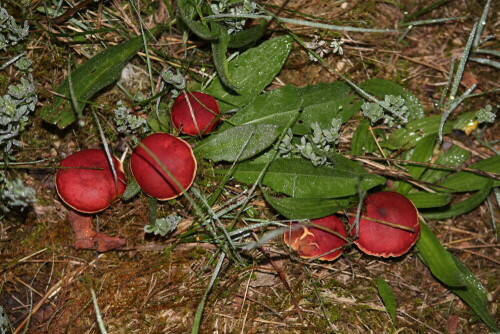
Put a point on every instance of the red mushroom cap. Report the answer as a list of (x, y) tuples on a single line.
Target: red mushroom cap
[(174, 154), (311, 241), (378, 239), (89, 190), (195, 113)]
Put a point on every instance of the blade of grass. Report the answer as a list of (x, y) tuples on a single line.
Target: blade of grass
[(448, 84), (106, 149), (453, 106), (220, 226), (425, 10), (463, 62), (433, 21), (485, 61), (297, 22), (201, 306), (491, 211), (482, 23), (100, 322)]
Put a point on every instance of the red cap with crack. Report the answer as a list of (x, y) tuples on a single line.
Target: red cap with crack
[(89, 186), (377, 239), (310, 241), (174, 155)]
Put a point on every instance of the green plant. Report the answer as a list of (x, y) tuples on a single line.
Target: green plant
[(15, 108), (5, 326), (163, 226)]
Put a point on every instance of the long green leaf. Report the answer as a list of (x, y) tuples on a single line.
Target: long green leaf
[(307, 208), (299, 178), (474, 295), (453, 157), (388, 297), (94, 75), (362, 141), (446, 268), (464, 206), (319, 103), (467, 181), (219, 50), (409, 135), (228, 145), (437, 258), (422, 153), (423, 200), (251, 72)]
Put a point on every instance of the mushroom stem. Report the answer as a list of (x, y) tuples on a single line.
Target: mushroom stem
[(87, 238)]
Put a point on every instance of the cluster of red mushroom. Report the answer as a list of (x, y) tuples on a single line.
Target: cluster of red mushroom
[(162, 164), (388, 226)]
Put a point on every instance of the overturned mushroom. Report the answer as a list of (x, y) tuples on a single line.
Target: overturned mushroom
[(310, 241)]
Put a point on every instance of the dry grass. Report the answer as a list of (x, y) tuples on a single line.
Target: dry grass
[(150, 288)]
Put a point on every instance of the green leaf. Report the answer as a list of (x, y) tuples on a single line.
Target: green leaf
[(245, 37), (240, 142), (307, 208), (409, 135), (449, 270), (453, 157), (381, 88), (219, 50), (467, 181), (362, 140), (474, 295), (299, 178), (462, 207), (132, 189), (437, 258), (388, 297), (251, 72), (94, 75), (187, 11), (158, 122), (422, 153), (319, 103), (424, 200)]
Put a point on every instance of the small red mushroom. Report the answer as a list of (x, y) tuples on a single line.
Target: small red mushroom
[(195, 113), (380, 239), (310, 241), (174, 155), (86, 184)]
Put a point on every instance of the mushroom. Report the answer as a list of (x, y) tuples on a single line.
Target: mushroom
[(156, 159), (86, 184), (195, 113), (389, 225), (311, 242)]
